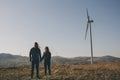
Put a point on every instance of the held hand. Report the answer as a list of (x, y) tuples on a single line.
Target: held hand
[(30, 60), (40, 60)]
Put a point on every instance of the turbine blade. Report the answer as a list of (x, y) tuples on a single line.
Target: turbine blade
[(87, 14), (86, 30)]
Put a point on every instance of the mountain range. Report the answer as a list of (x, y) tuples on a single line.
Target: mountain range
[(17, 60)]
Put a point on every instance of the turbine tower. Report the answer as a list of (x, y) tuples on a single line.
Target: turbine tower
[(89, 21)]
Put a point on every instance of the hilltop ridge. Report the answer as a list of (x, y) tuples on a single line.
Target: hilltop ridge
[(7, 59)]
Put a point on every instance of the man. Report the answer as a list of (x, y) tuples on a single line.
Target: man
[(35, 56)]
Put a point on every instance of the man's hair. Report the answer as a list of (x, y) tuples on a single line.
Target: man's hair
[(36, 45)]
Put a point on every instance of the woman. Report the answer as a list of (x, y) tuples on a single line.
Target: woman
[(47, 60)]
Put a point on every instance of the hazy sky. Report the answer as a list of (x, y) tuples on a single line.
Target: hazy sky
[(60, 24)]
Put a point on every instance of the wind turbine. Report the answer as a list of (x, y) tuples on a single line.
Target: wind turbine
[(89, 21)]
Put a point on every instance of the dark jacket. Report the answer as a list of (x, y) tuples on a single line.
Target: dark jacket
[(46, 57), (35, 54)]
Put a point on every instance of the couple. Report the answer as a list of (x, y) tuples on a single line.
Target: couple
[(35, 58)]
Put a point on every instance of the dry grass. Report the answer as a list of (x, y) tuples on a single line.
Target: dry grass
[(97, 71)]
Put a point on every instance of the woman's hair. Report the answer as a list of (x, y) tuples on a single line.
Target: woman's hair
[(46, 49), (36, 45)]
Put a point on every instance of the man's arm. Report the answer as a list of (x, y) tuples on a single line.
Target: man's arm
[(50, 55), (30, 54), (40, 54)]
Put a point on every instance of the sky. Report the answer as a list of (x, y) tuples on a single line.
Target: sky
[(60, 25)]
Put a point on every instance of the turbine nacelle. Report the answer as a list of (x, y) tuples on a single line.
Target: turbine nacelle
[(90, 21)]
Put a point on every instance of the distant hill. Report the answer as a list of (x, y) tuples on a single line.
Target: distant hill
[(17, 60), (79, 60), (108, 57), (7, 59)]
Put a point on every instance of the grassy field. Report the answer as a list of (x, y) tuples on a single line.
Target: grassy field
[(97, 71)]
